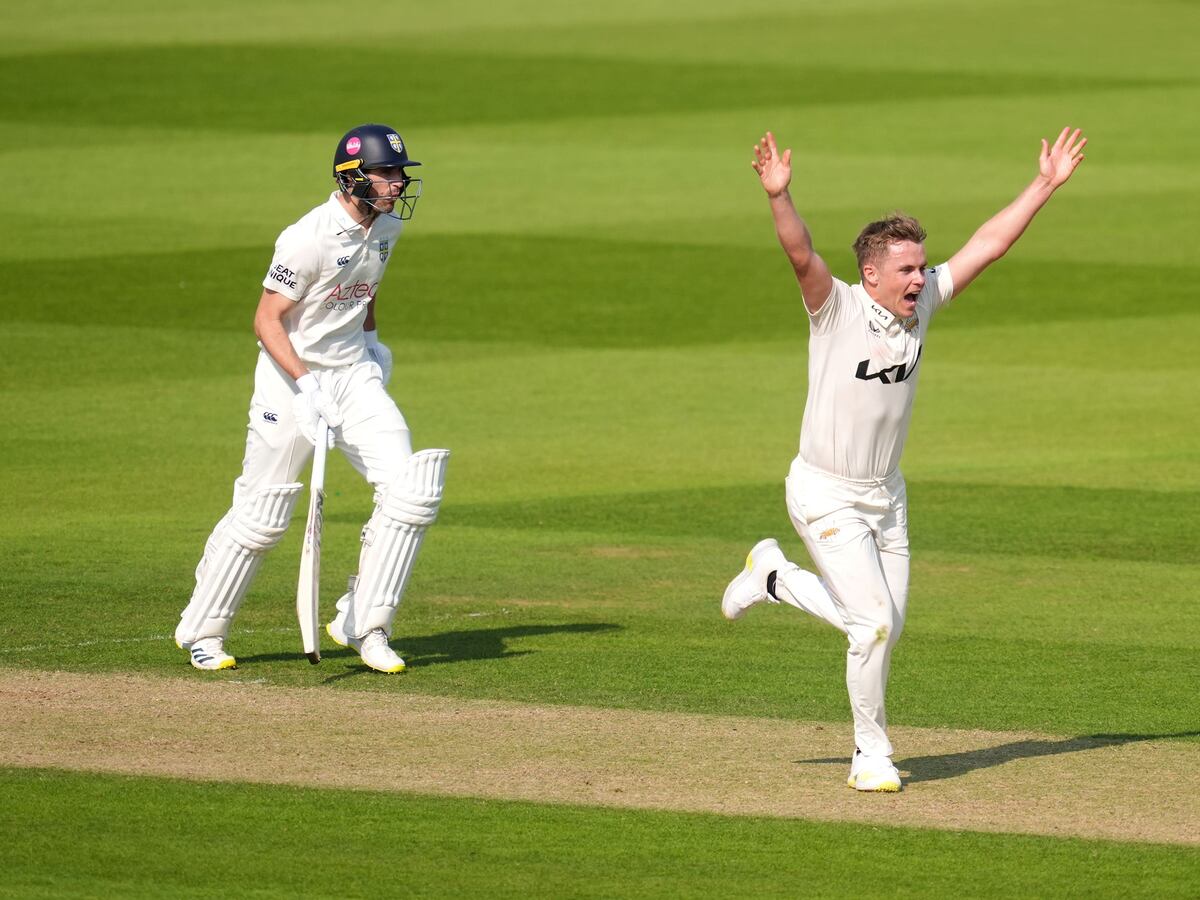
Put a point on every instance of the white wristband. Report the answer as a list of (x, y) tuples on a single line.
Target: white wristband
[(307, 383)]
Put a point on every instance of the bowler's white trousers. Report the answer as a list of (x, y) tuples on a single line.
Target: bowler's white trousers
[(857, 534), (373, 436)]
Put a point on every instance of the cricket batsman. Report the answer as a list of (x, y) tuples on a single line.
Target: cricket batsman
[(321, 358), (845, 494)]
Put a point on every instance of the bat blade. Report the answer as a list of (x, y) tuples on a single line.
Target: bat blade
[(308, 589)]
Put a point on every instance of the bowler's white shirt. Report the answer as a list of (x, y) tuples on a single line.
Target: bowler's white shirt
[(863, 366), (331, 267)]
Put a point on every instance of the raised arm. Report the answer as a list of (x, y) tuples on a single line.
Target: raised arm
[(775, 173), (1001, 231)]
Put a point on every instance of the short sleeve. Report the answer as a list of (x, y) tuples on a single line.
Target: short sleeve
[(939, 286), (834, 312), (294, 264)]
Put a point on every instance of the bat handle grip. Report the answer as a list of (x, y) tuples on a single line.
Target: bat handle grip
[(319, 453)]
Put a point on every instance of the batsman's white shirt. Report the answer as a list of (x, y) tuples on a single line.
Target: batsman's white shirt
[(331, 266), (863, 367)]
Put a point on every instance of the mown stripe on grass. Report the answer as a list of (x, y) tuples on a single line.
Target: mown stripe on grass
[(130, 837), (217, 729), (537, 290), (1015, 520), (187, 86)]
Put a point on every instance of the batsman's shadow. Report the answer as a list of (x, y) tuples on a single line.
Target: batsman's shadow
[(937, 767), (474, 644)]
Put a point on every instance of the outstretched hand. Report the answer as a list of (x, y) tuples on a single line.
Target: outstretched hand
[(1058, 162), (774, 171)]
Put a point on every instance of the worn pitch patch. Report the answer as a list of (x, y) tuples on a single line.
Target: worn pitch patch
[(1122, 788)]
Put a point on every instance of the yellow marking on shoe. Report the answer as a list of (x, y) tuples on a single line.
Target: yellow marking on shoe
[(399, 668), (749, 561), (332, 636), (885, 787), (230, 663)]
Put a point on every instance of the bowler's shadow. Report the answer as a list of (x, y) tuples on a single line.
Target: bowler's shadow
[(464, 646), (951, 765)]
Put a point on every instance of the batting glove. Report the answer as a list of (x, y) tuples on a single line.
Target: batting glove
[(311, 405), (379, 354)]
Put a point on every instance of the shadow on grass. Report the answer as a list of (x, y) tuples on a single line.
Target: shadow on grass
[(454, 646), (951, 765)]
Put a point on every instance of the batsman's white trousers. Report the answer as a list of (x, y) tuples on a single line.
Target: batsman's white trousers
[(373, 436), (857, 534)]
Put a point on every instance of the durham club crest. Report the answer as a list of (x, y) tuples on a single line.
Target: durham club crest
[(383, 250)]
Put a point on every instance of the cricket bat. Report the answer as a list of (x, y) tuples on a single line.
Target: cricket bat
[(308, 591)]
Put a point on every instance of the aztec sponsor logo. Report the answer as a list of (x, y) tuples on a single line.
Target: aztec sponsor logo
[(283, 275), (350, 296), (353, 145), (890, 375), (397, 144), (383, 250), (342, 260), (271, 417), (875, 329)]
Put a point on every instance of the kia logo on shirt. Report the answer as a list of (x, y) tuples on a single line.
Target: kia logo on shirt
[(890, 375)]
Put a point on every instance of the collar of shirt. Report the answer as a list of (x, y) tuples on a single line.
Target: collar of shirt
[(890, 322), (346, 222)]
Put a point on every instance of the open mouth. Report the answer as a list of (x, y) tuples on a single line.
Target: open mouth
[(911, 297)]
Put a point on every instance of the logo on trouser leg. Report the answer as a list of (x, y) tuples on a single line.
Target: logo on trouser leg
[(828, 533)]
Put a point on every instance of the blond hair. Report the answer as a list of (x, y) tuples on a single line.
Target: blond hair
[(872, 242)]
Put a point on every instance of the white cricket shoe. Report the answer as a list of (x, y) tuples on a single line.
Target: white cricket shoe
[(750, 585), (376, 652), (873, 773), (373, 649), (337, 628), (208, 654)]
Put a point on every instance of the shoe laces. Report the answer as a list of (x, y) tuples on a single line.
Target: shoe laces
[(374, 638)]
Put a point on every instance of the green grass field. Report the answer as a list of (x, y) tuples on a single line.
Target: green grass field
[(590, 309)]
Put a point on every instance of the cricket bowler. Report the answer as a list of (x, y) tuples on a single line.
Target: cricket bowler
[(844, 491), (321, 358)]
